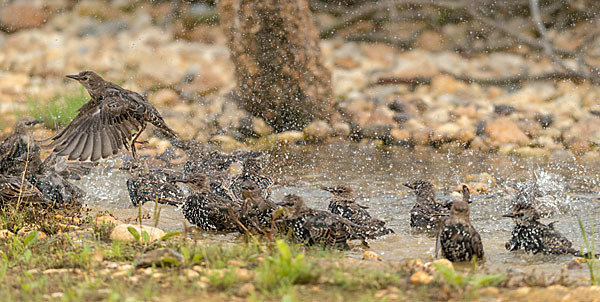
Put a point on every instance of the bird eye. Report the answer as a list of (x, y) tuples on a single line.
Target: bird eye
[(84, 78)]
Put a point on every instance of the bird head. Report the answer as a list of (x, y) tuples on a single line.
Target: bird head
[(197, 182), (523, 212), (340, 191), (249, 189), (89, 79), (422, 188), (26, 124)]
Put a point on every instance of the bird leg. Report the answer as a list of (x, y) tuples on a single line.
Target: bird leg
[(134, 141)]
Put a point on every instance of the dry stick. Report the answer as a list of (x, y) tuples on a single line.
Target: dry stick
[(546, 43)]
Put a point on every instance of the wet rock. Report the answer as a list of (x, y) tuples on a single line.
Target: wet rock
[(289, 137), (443, 84), (227, 143), (397, 106), (317, 131), (582, 134), (421, 278), (400, 134), (545, 120), (260, 127), (445, 262), (121, 233), (357, 110), (17, 16), (503, 130), (340, 129), (447, 132), (370, 255), (504, 110), (159, 257), (381, 132)]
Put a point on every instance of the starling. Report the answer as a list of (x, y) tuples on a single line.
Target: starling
[(106, 123), (256, 210), (205, 209), (153, 185), (15, 190), (458, 239), (19, 150), (311, 226), (250, 172), (426, 212), (533, 236), (344, 204)]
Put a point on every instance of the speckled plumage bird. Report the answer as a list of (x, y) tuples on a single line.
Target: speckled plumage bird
[(311, 226), (256, 211), (251, 171), (533, 236), (426, 212), (19, 149), (205, 209), (344, 204), (15, 190), (155, 184), (458, 239), (106, 123)]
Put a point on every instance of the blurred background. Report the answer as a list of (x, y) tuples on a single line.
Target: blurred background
[(509, 76)]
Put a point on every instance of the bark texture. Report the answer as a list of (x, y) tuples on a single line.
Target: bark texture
[(280, 74)]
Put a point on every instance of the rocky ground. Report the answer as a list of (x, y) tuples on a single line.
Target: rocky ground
[(187, 74)]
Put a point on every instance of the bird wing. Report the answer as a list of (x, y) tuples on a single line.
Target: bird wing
[(476, 244), (98, 131)]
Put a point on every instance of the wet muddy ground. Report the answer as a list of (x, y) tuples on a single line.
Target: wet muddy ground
[(570, 189)]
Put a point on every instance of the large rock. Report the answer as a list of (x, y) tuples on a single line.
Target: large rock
[(121, 233), (317, 131), (503, 130), (16, 16)]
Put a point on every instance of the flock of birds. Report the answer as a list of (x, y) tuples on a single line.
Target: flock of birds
[(219, 200)]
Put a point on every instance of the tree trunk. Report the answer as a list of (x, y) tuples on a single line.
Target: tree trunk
[(280, 73)]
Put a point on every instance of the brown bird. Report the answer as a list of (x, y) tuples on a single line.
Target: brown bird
[(19, 148), (458, 239), (426, 212), (344, 204), (311, 226), (204, 208), (533, 236), (107, 122), (15, 190)]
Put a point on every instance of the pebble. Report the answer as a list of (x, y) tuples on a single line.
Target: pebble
[(159, 257), (121, 233), (370, 255), (421, 278), (245, 290)]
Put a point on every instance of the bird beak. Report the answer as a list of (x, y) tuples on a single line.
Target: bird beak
[(73, 76), (408, 185), (37, 122), (181, 180), (328, 189), (508, 215)]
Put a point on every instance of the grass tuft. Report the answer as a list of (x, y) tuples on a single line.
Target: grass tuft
[(57, 111)]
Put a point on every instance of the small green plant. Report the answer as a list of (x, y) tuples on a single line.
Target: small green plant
[(472, 280), (57, 111), (282, 270), (592, 262)]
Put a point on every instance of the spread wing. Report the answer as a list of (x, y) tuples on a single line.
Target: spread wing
[(100, 130)]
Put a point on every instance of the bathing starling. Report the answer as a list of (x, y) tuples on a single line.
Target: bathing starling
[(458, 239), (105, 124), (344, 204), (16, 189), (426, 212), (205, 209), (533, 236), (256, 210), (251, 171), (153, 185), (311, 226), (55, 188), (19, 150)]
